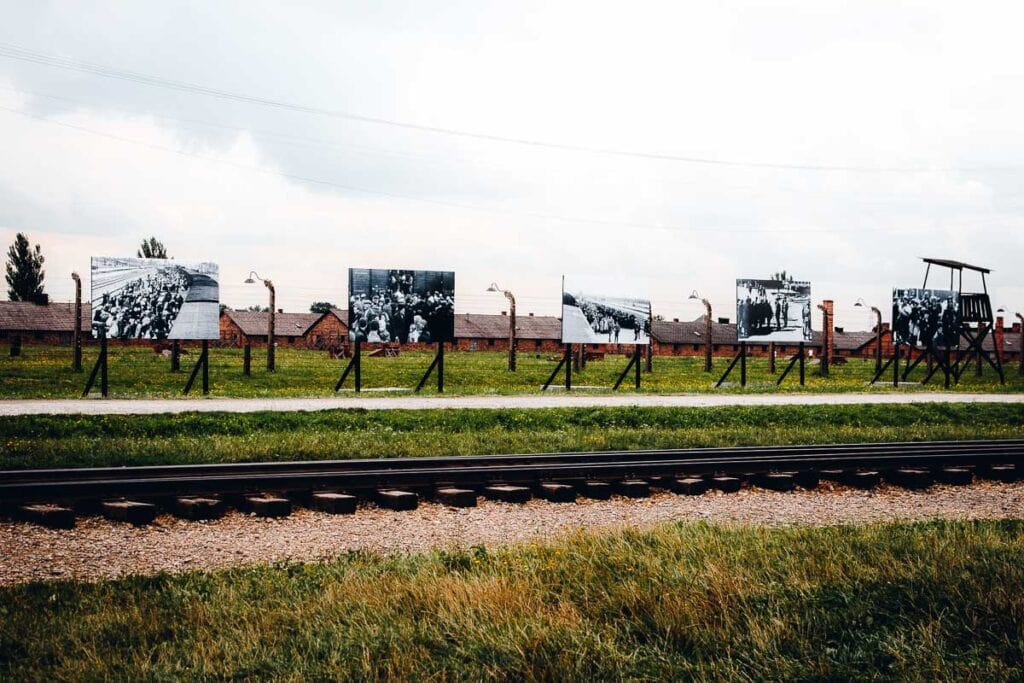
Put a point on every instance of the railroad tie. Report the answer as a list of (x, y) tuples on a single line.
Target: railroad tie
[(557, 493), (333, 503), (269, 506), (775, 481), (48, 515), (196, 508), (130, 511), (688, 486), (862, 479), (507, 493), (954, 476), (598, 490), (725, 484), (456, 497), (397, 500), (910, 478), (633, 488)]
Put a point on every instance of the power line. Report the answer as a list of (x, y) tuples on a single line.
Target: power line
[(436, 202), (11, 51)]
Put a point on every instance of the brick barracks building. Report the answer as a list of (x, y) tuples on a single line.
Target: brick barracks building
[(53, 324)]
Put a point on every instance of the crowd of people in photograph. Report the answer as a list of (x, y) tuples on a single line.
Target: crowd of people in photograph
[(143, 308), (760, 311), (398, 314), (925, 319), (616, 324)]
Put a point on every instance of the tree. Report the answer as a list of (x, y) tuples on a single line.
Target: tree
[(25, 272), (321, 307), (258, 309), (152, 248)]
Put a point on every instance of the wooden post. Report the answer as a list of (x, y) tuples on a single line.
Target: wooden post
[(771, 357), (175, 356), (743, 364), (76, 341), (247, 359), (270, 327), (15, 346), (440, 367), (206, 367), (568, 367), (803, 356), (103, 366)]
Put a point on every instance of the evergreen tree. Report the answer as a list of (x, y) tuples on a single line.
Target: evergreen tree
[(152, 248), (321, 307), (25, 272)]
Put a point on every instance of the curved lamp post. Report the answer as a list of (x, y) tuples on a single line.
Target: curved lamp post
[(707, 328), (878, 332), (76, 364), (511, 324), (251, 280)]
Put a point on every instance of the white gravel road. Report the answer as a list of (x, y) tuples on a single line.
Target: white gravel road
[(555, 400)]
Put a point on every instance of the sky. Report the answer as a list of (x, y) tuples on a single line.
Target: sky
[(681, 144)]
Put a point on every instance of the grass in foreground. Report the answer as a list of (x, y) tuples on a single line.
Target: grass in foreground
[(36, 441), (936, 601), (135, 372)]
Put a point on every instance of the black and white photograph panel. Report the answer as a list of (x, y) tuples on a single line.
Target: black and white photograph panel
[(401, 306), (140, 298), (926, 318), (774, 310), (604, 311)]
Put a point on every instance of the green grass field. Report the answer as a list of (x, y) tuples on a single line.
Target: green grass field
[(927, 602), (116, 440), (44, 372)]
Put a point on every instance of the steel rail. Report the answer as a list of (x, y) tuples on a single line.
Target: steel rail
[(420, 473), (213, 469)]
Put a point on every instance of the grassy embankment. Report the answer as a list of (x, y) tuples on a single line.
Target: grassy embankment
[(92, 441), (937, 601), (44, 372)]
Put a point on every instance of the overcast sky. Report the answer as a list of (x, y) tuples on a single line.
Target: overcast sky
[(855, 138)]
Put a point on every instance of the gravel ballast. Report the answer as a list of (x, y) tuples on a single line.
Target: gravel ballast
[(98, 549)]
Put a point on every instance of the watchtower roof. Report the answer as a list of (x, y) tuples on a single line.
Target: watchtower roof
[(955, 265)]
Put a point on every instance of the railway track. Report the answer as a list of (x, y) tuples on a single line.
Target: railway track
[(135, 494)]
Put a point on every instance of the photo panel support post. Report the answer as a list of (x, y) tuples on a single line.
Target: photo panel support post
[(203, 365), (936, 362), (894, 362), (976, 349), (634, 364), (740, 358), (175, 356), (799, 357), (247, 359), (100, 368), (355, 366), (564, 362), (438, 364)]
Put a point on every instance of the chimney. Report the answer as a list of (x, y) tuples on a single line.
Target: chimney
[(504, 312), (998, 337), (829, 334), (675, 320), (723, 321), (531, 315), (280, 310)]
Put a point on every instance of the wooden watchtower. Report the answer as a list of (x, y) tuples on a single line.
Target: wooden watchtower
[(977, 320)]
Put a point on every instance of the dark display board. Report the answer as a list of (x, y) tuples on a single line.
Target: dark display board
[(777, 310), (604, 312), (140, 298), (401, 306), (926, 318)]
